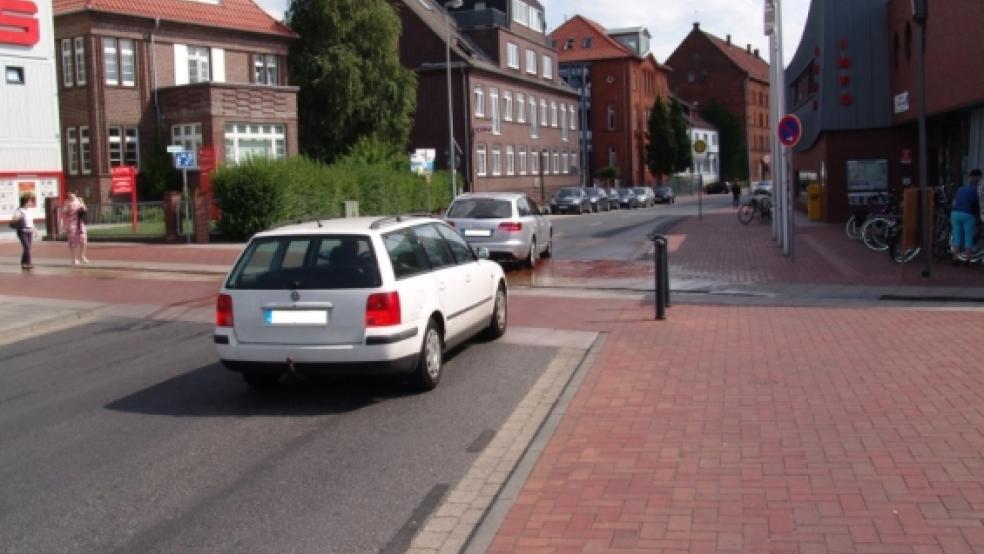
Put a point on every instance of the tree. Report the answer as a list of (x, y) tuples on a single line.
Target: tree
[(661, 150), (608, 174), (684, 158), (352, 84), (734, 157)]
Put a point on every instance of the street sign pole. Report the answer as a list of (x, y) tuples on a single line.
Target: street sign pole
[(781, 164), (187, 201)]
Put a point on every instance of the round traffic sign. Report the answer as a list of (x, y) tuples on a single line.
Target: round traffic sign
[(700, 146), (789, 130)]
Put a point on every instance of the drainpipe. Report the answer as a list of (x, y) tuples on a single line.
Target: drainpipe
[(153, 76), (625, 122), (748, 130), (467, 131)]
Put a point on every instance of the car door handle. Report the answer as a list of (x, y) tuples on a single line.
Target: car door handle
[(468, 277), (441, 285)]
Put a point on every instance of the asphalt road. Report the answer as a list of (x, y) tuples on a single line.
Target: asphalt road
[(126, 436), (621, 234)]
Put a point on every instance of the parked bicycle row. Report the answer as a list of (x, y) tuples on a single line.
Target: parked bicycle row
[(577, 200)]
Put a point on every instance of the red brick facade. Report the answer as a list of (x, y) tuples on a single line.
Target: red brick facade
[(153, 103), (707, 69)]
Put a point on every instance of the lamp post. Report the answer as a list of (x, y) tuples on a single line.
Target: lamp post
[(920, 13), (447, 62)]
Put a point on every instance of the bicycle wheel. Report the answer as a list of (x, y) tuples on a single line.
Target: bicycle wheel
[(746, 213), (852, 229), (873, 233), (897, 253)]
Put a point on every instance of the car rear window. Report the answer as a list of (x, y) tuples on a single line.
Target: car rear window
[(480, 208), (307, 262), (565, 193)]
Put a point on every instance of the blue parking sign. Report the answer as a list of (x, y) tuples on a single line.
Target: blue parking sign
[(185, 160)]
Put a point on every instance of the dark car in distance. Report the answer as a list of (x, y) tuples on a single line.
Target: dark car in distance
[(570, 200), (598, 198), (664, 194), (628, 199)]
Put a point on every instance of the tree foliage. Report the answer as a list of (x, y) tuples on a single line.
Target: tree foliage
[(352, 84), (661, 152), (734, 157), (681, 137)]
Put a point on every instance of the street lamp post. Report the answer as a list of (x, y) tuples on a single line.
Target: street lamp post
[(447, 62), (919, 14)]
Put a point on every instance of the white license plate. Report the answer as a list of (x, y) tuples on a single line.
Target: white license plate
[(478, 232), (295, 317)]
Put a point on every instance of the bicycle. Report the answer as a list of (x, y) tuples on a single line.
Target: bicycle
[(757, 204), (854, 223)]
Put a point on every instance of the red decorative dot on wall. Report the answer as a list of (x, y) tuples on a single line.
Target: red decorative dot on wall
[(846, 100), (845, 80), (844, 62), (843, 43)]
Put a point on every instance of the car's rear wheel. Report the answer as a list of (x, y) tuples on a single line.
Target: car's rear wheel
[(261, 379), (431, 360), (531, 258), (497, 326), (548, 253)]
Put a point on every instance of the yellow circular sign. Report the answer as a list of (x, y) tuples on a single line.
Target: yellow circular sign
[(700, 146)]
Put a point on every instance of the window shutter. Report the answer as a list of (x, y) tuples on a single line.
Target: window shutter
[(218, 65), (180, 64)]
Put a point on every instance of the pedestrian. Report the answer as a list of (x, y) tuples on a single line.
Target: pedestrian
[(23, 222), (735, 195), (73, 219), (966, 211)]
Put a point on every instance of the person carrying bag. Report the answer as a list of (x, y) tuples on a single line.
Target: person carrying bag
[(23, 223)]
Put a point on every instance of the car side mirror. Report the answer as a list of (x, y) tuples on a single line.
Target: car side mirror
[(482, 253)]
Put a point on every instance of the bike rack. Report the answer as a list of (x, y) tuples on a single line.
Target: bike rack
[(662, 275)]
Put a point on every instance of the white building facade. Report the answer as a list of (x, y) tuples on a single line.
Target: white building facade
[(708, 164), (30, 150)]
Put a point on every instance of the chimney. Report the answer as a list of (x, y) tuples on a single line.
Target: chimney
[(696, 25), (729, 40), (757, 53), (748, 48)]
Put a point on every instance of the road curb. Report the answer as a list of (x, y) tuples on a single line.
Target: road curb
[(65, 320), (191, 269)]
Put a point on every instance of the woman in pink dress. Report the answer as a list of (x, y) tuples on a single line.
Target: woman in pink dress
[(75, 227)]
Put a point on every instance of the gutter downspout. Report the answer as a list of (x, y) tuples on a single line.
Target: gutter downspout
[(153, 76), (625, 122), (466, 129), (748, 131)]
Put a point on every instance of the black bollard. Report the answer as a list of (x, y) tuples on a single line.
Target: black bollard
[(661, 285)]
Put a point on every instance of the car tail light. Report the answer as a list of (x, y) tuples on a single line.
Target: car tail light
[(223, 311), (510, 227), (383, 309)]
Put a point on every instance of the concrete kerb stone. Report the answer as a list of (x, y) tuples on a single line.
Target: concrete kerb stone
[(27, 317), (465, 509), (200, 269)]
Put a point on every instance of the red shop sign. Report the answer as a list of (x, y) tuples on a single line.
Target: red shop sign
[(18, 23)]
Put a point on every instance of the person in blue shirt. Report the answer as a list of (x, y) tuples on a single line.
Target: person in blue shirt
[(964, 216)]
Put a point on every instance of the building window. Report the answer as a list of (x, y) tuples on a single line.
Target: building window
[(128, 63), (479, 102), (691, 76), (545, 161), (111, 67), (563, 122), (908, 42), (544, 115), (265, 69), (569, 44), (547, 67), (534, 162), (531, 62), (80, 61), (508, 100), (573, 161), (533, 127), (612, 156), (536, 22), (124, 146), (556, 162), (496, 160), (86, 150), (573, 112), (481, 164), (512, 55), (520, 12), (66, 60), (510, 160), (586, 42), (198, 64), (494, 104), (254, 140), (188, 135), (564, 168), (522, 160), (71, 149), (553, 114), (520, 108), (611, 118)]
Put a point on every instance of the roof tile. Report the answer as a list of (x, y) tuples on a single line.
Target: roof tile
[(756, 67)]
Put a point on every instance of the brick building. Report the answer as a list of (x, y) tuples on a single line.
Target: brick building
[(135, 76), (618, 80), (514, 119), (852, 82), (707, 69)]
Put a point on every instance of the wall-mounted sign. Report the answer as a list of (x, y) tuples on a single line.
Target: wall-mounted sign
[(483, 129), (902, 102), (700, 147), (422, 161), (19, 24), (867, 175), (906, 156), (789, 130), (124, 179)]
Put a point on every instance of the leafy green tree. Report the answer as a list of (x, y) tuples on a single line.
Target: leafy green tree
[(681, 137), (734, 157), (352, 85), (661, 152), (609, 173)]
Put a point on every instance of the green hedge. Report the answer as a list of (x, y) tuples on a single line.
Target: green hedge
[(259, 193)]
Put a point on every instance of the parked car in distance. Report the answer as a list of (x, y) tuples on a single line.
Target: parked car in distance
[(645, 195), (627, 198), (719, 187), (664, 194), (509, 225), (614, 202), (363, 295), (598, 199), (761, 187), (570, 200)]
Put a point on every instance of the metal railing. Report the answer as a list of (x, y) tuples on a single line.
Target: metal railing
[(120, 220)]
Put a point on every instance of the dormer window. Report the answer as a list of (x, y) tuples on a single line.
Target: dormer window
[(568, 44), (586, 43)]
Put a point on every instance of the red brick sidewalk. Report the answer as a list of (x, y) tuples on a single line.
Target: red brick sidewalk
[(763, 430), (221, 254)]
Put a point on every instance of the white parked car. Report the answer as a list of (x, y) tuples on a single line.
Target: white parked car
[(357, 296)]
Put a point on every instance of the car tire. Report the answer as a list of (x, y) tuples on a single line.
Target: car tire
[(430, 363), (530, 261), (261, 379), (500, 314), (548, 253)]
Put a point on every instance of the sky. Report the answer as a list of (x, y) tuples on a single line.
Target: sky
[(669, 21)]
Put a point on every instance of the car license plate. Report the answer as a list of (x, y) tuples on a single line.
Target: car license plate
[(478, 232), (295, 317)]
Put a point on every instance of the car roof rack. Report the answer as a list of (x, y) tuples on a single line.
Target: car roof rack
[(393, 219), (299, 221)]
